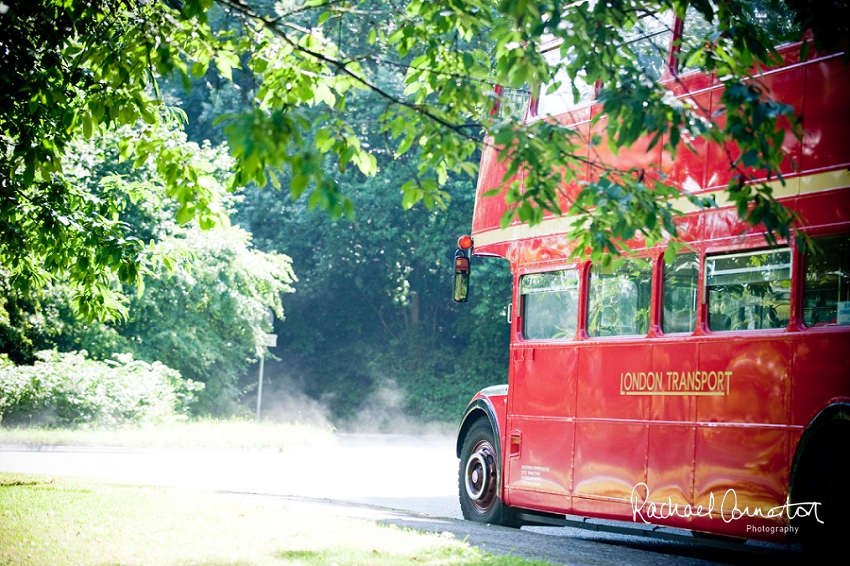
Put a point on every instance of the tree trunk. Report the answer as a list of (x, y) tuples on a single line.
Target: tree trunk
[(414, 309)]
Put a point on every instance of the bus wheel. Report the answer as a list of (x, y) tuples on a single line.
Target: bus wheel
[(478, 478), (823, 531)]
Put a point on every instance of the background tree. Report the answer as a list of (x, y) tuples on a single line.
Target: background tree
[(373, 307), (199, 308), (72, 66)]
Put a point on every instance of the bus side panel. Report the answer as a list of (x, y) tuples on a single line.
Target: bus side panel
[(672, 357), (541, 427), (488, 210), (611, 430), (538, 250), (670, 461), (670, 471), (579, 120), (757, 373), (638, 156), (716, 159), (821, 372), (811, 206), (787, 86), (740, 471), (826, 115), (688, 171), (742, 444), (610, 460)]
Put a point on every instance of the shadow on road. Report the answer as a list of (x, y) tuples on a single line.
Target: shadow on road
[(575, 547), (580, 548)]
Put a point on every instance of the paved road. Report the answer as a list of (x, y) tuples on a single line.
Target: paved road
[(403, 472), (410, 481)]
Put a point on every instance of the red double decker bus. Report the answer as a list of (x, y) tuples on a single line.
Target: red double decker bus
[(710, 391)]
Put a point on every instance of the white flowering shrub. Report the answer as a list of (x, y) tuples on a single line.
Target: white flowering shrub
[(68, 389)]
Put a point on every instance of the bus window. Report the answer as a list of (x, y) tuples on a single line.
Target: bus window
[(618, 303), (680, 294), (562, 98), (649, 40), (694, 32), (513, 102), (774, 17), (749, 291), (826, 293), (549, 305)]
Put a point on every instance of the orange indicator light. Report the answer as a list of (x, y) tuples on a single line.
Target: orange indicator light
[(464, 242)]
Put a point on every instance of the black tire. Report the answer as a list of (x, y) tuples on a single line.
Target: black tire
[(478, 478), (829, 487)]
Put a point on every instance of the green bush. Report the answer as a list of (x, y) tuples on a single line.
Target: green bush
[(67, 389)]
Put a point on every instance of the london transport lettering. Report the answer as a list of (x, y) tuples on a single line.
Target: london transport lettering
[(675, 382)]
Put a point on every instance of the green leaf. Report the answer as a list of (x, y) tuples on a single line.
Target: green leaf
[(185, 213), (298, 185), (223, 66)]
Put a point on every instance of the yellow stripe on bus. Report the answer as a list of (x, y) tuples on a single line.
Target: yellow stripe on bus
[(801, 185)]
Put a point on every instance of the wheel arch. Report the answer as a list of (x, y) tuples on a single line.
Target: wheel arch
[(478, 409), (829, 425)]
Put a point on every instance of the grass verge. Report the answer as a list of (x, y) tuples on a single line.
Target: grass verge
[(201, 433), (83, 521)]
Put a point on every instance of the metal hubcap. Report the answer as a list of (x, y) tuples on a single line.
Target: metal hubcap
[(480, 477)]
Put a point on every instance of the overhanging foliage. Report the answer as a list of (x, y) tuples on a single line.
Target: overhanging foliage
[(69, 68)]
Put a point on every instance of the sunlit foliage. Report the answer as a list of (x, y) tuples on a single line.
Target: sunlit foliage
[(71, 68)]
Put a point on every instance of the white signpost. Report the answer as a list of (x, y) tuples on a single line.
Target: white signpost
[(270, 341)]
